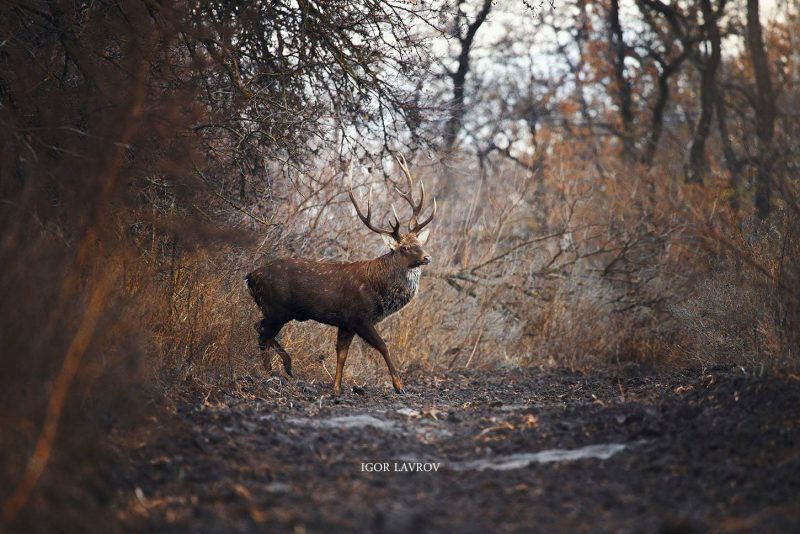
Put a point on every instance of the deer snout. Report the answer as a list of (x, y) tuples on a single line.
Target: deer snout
[(426, 260)]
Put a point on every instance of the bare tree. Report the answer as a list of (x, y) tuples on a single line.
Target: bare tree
[(764, 104), (464, 30), (707, 61), (622, 90), (669, 52)]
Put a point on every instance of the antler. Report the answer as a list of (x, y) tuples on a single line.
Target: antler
[(367, 219), (413, 226)]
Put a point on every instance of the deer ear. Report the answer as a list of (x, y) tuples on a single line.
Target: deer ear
[(389, 240), (423, 236)]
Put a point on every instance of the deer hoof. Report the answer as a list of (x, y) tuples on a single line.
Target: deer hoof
[(400, 391), (288, 371)]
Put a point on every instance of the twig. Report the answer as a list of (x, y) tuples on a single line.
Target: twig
[(61, 385), (230, 202), (474, 349)]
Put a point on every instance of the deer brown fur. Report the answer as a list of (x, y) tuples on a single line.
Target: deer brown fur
[(351, 296)]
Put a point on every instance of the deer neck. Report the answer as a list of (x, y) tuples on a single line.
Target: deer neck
[(394, 283)]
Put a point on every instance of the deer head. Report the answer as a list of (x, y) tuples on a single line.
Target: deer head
[(409, 245)]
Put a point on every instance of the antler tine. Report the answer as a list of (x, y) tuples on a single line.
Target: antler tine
[(421, 194), (416, 207), (367, 219), (424, 223), (401, 161), (396, 225)]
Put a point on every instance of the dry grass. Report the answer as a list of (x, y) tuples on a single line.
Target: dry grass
[(597, 281)]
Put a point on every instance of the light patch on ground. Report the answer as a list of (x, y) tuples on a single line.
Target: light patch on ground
[(517, 461), (346, 422)]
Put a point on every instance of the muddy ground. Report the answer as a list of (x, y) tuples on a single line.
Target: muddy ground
[(712, 450)]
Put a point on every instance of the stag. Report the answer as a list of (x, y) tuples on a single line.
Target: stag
[(353, 297)]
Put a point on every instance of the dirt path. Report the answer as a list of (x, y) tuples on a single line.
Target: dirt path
[(522, 450)]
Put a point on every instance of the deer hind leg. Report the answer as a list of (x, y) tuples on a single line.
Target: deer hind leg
[(343, 339), (285, 357), (371, 336), (267, 331)]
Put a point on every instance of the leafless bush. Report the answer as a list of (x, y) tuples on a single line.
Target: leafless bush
[(744, 311), (506, 286)]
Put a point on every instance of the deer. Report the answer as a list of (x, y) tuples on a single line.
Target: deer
[(354, 297)]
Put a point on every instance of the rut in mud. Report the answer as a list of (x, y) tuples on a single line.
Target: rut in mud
[(521, 449)]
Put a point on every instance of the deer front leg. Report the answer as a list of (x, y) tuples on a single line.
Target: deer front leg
[(371, 336), (343, 339)]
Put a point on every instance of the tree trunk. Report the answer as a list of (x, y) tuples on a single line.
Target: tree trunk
[(456, 106), (459, 77), (733, 163), (623, 93), (764, 109), (698, 165), (660, 106)]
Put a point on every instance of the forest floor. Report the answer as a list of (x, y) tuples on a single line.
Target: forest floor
[(524, 449)]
